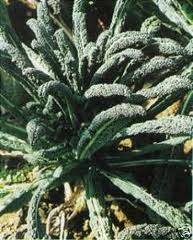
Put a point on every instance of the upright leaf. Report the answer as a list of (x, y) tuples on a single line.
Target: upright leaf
[(4, 14), (119, 15), (64, 43), (80, 25), (44, 17)]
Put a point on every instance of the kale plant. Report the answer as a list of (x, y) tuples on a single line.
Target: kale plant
[(85, 98)]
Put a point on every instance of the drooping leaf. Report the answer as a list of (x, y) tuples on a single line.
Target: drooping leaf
[(13, 129), (149, 231), (7, 66), (63, 95), (151, 25), (42, 36), (49, 155), (16, 55), (127, 34), (14, 71), (35, 229), (189, 48), (157, 67), (112, 66), (175, 217), (38, 62), (56, 88), (165, 47), (99, 221), (37, 77), (163, 104), (107, 90), (175, 125), (105, 125), (37, 133), (137, 41), (171, 85), (9, 106), (160, 146), (127, 158), (102, 42), (123, 162), (169, 10), (14, 201), (10, 142)]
